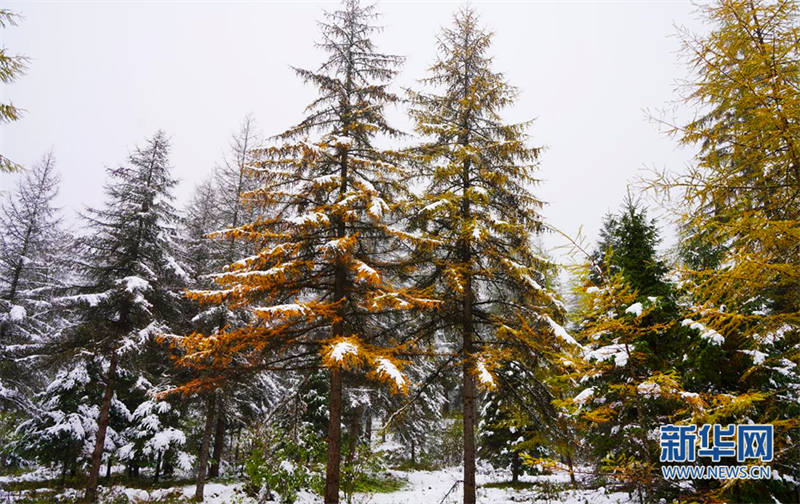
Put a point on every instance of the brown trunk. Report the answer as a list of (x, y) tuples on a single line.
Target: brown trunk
[(571, 469), (202, 463), (469, 426), (219, 440), (468, 389), (355, 434), (515, 467), (102, 426), (368, 429), (334, 439)]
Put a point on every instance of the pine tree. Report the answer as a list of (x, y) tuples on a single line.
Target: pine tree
[(11, 68), (477, 205), (321, 281), (743, 199), (131, 288), (32, 272)]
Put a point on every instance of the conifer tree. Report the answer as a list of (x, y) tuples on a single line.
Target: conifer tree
[(132, 281), (742, 198), (321, 281), (11, 68), (32, 272), (477, 173)]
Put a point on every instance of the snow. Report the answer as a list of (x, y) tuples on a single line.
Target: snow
[(560, 331), (584, 396), (649, 389), (758, 357), (422, 487), (635, 308), (484, 376), (343, 348), (433, 206), (17, 313), (315, 218), (608, 352), (135, 284), (387, 368), (377, 207), (592, 290), (706, 333)]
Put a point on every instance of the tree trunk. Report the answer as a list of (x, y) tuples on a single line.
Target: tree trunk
[(468, 389), (571, 469), (355, 434), (334, 439), (108, 469), (515, 467), (469, 426), (203, 459), (368, 429), (219, 440), (158, 467), (102, 426)]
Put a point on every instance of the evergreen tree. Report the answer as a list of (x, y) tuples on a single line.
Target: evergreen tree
[(131, 288), (477, 206), (634, 373), (321, 281)]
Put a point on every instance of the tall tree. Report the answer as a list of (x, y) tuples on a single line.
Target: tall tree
[(743, 195), (321, 281), (11, 68), (131, 289), (477, 174), (32, 271)]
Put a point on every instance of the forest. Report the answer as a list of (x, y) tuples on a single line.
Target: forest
[(346, 312)]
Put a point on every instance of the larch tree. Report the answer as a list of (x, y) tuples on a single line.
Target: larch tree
[(321, 282), (477, 174), (742, 199), (32, 273), (11, 68), (131, 287)]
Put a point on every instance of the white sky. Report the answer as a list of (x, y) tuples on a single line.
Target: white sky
[(105, 75)]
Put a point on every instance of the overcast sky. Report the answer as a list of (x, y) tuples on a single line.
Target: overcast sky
[(105, 75)]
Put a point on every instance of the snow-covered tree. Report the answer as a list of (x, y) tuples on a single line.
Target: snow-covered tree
[(32, 271), (321, 280), (477, 173), (63, 430), (741, 200), (131, 290)]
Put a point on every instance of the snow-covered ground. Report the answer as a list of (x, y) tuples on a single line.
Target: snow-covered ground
[(423, 487)]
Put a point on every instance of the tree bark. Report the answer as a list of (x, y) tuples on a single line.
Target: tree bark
[(219, 440), (203, 459), (469, 418), (514, 467), (571, 469), (158, 468), (355, 433), (334, 439), (102, 426)]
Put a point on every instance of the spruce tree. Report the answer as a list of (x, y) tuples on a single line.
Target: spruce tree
[(477, 172), (131, 285)]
